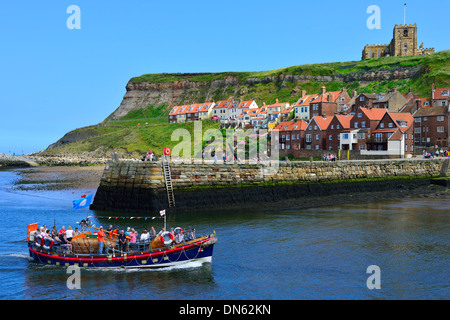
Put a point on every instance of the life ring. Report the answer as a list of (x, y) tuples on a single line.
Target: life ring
[(48, 243), (166, 151), (166, 238)]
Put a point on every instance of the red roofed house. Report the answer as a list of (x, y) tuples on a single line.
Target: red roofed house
[(173, 114), (440, 96), (363, 122), (328, 103), (338, 124), (301, 107), (393, 136), (236, 108), (291, 136), (205, 110), (220, 109), (315, 133), (192, 113), (274, 110)]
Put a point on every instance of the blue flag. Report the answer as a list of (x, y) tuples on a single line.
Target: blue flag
[(82, 203)]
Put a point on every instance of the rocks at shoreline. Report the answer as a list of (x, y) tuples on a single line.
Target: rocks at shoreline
[(72, 160), (7, 160)]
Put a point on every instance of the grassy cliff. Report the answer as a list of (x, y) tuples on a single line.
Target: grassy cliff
[(147, 125)]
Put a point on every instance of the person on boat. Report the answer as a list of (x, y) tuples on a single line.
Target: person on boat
[(48, 234), (69, 234), (101, 240), (152, 232), (145, 236), (122, 241), (54, 232), (110, 231), (127, 233), (180, 237), (133, 235), (62, 230)]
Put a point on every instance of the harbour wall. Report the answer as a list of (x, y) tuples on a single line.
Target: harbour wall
[(136, 186)]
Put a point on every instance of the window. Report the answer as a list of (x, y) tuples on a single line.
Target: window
[(317, 137), (390, 124), (332, 126), (363, 124), (425, 118), (288, 137), (361, 99), (440, 118), (418, 120), (317, 147), (416, 130), (445, 92), (359, 114), (315, 127), (338, 126), (361, 147), (440, 129), (381, 125), (356, 124), (330, 137), (361, 135), (308, 138), (345, 136)]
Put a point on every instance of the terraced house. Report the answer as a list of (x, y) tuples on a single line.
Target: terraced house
[(328, 104)]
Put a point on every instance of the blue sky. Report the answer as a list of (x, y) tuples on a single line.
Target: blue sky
[(54, 80)]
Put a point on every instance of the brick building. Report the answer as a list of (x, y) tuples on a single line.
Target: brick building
[(431, 127)]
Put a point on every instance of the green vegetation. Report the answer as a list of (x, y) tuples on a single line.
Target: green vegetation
[(130, 137)]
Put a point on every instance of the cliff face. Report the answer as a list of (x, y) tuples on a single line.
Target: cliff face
[(142, 94)]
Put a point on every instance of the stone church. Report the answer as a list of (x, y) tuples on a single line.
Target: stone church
[(403, 43)]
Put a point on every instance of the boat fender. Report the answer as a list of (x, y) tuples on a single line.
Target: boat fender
[(177, 230), (32, 236), (38, 241), (166, 238)]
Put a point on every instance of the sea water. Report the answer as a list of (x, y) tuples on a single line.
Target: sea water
[(294, 253)]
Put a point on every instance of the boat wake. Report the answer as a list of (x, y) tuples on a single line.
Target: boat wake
[(21, 255)]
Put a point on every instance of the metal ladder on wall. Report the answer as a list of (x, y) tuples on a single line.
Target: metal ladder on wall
[(168, 181)]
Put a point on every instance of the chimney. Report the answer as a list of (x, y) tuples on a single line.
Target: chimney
[(330, 97), (323, 90), (276, 100), (416, 95), (303, 93), (324, 115), (355, 93), (432, 91)]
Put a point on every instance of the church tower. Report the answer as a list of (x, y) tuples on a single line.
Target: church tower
[(404, 40)]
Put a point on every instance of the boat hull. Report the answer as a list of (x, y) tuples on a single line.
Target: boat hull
[(197, 251)]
